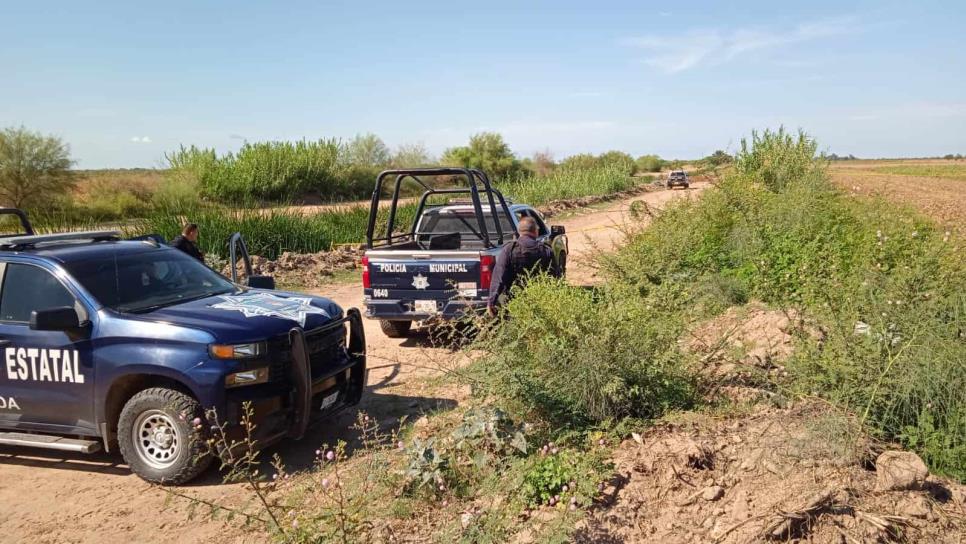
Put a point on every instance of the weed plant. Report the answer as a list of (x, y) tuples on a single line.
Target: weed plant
[(885, 287)]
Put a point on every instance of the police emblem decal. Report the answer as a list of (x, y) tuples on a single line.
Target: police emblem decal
[(420, 281), (267, 305)]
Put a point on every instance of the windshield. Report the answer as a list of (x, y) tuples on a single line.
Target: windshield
[(146, 281), (463, 223)]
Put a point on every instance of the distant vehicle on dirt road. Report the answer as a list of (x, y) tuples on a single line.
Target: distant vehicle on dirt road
[(441, 266), (678, 178), (128, 344)]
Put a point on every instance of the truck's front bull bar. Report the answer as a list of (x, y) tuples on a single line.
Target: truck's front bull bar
[(302, 370)]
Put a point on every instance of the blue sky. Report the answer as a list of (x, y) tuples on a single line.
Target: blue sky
[(123, 82)]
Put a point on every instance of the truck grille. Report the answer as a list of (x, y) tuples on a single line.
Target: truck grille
[(326, 347)]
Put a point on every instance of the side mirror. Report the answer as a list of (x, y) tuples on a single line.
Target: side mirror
[(261, 282), (557, 230), (63, 318)]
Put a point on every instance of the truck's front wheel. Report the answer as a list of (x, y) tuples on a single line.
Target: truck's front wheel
[(395, 329), (156, 436)]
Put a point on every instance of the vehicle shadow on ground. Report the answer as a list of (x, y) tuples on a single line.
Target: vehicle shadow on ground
[(100, 462), (386, 409)]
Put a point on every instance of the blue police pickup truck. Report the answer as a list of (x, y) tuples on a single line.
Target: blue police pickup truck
[(440, 266), (122, 344)]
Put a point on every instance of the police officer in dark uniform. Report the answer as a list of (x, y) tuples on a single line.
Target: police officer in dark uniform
[(187, 241), (518, 260)]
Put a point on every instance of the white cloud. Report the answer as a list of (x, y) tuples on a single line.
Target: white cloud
[(141, 139), (679, 51)]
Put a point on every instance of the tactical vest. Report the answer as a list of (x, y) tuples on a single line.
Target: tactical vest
[(526, 261)]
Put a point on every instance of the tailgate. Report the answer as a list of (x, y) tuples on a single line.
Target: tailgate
[(415, 276)]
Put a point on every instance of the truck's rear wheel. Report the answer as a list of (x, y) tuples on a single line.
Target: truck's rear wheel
[(395, 329), (156, 436)]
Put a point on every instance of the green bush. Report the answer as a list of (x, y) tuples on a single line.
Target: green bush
[(718, 158), (649, 163), (563, 184), (268, 171), (268, 232), (367, 150), (619, 160), (580, 161), (616, 160), (776, 157), (175, 191), (488, 152), (885, 287), (577, 358), (411, 156), (34, 169)]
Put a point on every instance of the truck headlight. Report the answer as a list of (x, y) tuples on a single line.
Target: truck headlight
[(236, 351), (247, 377)]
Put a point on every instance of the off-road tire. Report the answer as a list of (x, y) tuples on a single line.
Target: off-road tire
[(395, 329), (177, 410)]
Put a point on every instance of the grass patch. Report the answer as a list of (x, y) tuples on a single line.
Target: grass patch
[(620, 355), (470, 475), (885, 288), (270, 232), (946, 171), (565, 184)]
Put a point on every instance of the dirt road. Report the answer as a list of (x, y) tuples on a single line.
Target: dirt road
[(57, 497)]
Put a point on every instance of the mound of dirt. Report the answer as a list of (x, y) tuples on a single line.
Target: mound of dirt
[(306, 270), (802, 473), (751, 334)]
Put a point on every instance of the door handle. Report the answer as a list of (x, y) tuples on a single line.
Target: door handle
[(4, 342)]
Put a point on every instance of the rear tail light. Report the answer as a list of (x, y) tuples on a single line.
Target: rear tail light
[(365, 272), (486, 270)]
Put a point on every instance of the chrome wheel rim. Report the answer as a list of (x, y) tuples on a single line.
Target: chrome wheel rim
[(157, 439)]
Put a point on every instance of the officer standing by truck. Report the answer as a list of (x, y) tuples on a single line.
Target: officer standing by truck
[(518, 260), (187, 241)]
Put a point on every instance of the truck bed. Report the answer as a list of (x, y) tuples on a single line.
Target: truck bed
[(414, 285)]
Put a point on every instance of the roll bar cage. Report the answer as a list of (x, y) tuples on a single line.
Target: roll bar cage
[(474, 179), (28, 230)]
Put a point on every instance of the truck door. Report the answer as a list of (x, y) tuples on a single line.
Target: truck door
[(46, 377), (238, 249), (557, 240)]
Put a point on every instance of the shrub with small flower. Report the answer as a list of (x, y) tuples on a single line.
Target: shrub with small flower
[(563, 477)]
